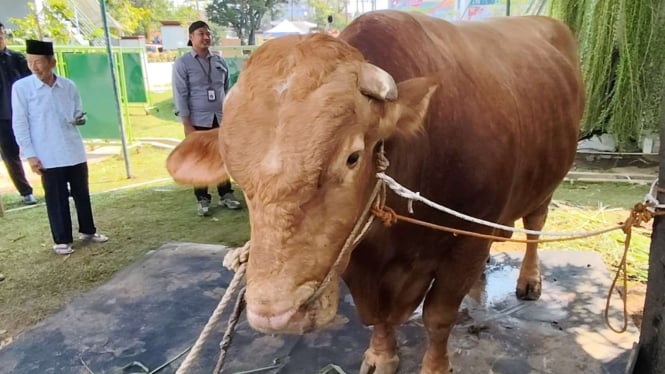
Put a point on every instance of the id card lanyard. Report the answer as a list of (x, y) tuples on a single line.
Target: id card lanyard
[(211, 91)]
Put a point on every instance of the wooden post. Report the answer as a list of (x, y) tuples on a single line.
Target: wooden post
[(651, 357)]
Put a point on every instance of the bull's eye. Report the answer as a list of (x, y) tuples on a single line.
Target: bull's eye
[(352, 161)]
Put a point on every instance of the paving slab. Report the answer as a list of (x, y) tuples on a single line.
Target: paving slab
[(155, 309)]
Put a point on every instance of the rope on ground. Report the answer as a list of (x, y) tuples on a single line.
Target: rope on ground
[(230, 328), (236, 256)]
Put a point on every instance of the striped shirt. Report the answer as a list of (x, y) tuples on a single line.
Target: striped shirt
[(193, 76)]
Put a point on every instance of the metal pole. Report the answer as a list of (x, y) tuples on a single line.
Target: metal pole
[(125, 152), (507, 7)]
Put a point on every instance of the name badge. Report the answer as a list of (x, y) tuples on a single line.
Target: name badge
[(211, 95)]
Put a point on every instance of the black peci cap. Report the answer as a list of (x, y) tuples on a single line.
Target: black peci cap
[(37, 47), (195, 26)]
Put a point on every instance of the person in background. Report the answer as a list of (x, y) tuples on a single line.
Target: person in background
[(47, 111), (12, 67), (200, 82)]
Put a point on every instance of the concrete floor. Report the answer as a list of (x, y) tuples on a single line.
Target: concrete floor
[(156, 308)]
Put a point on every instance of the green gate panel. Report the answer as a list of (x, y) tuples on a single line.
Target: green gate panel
[(235, 66), (134, 79), (92, 74)]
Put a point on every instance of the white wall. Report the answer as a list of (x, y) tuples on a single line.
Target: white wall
[(174, 37), (159, 75)]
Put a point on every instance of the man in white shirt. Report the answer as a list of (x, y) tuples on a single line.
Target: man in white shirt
[(46, 112)]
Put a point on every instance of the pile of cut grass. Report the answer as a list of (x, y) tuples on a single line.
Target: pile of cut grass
[(567, 218)]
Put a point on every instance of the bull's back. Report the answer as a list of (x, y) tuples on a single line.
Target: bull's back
[(505, 120)]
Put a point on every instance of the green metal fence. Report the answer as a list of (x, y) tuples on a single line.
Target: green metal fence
[(88, 67), (91, 73)]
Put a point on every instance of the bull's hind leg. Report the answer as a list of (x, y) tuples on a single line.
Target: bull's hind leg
[(381, 357), (529, 282), (461, 268)]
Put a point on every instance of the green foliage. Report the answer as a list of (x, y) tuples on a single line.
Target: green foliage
[(141, 17), (243, 16), (622, 50), (640, 75), (570, 11), (153, 12), (48, 23), (186, 14), (324, 8), (129, 16)]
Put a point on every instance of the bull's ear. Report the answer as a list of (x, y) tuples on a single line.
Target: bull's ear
[(197, 161), (406, 114)]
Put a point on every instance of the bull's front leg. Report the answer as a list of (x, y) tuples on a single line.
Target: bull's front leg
[(381, 357), (439, 316), (455, 276)]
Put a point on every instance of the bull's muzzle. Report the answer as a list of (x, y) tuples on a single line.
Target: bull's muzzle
[(286, 312)]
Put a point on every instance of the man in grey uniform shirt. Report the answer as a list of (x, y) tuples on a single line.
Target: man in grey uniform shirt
[(200, 82)]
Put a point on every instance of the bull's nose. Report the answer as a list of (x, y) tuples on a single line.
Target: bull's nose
[(269, 311), (279, 322)]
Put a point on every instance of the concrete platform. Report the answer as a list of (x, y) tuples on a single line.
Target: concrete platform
[(156, 308)]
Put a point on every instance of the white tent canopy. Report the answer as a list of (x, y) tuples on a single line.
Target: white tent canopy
[(285, 27)]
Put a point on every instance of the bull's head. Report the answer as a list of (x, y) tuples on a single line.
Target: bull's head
[(299, 135)]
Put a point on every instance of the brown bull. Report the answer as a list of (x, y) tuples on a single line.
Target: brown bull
[(483, 119)]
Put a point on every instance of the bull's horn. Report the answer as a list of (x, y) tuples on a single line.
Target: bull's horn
[(377, 83)]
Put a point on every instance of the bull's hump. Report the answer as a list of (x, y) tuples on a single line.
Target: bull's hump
[(296, 64)]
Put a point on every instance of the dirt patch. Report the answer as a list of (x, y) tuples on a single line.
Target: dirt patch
[(637, 292)]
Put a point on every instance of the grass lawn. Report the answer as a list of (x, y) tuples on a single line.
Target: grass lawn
[(591, 206), (162, 122), (142, 218)]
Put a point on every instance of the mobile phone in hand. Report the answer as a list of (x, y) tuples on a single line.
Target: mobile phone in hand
[(80, 119)]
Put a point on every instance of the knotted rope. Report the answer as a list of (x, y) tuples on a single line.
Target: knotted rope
[(640, 214)]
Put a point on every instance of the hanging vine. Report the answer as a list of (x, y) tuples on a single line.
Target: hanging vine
[(622, 51)]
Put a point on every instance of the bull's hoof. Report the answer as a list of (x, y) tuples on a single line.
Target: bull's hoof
[(528, 289), (377, 363)]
